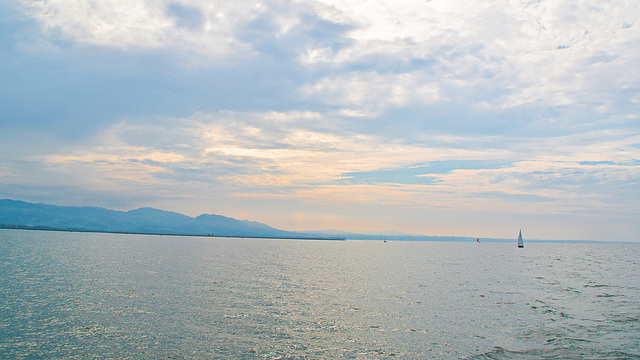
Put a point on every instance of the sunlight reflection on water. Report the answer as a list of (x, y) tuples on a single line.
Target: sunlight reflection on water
[(115, 296)]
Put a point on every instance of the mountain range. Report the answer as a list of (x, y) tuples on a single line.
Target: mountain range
[(146, 220)]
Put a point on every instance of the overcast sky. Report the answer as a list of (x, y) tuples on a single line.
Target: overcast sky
[(440, 117)]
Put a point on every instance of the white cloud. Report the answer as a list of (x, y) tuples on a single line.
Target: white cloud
[(187, 27), (373, 92), (538, 52), (499, 53)]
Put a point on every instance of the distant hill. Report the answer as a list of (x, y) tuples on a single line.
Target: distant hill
[(144, 220)]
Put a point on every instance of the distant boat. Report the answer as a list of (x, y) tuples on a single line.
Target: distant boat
[(520, 243)]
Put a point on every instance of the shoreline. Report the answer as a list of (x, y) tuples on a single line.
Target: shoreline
[(47, 228)]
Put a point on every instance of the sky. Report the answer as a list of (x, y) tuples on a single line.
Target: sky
[(436, 117)]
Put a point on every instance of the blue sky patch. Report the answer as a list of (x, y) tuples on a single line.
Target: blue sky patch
[(419, 173)]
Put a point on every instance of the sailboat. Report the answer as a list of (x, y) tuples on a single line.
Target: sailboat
[(520, 243)]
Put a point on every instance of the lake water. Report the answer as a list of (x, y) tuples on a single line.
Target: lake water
[(83, 295)]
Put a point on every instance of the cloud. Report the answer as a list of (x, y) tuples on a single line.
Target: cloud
[(372, 92), (277, 155), (530, 53), (209, 30), (196, 32), (539, 53)]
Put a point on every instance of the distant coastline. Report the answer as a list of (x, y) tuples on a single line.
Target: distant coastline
[(16, 214), (48, 228), (362, 237)]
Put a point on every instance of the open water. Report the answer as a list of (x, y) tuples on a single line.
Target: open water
[(82, 295)]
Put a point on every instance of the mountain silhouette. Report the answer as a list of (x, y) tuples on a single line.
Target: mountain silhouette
[(15, 213)]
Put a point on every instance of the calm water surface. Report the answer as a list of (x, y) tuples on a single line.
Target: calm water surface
[(75, 295)]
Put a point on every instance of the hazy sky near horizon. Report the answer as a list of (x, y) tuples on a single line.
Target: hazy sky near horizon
[(440, 117)]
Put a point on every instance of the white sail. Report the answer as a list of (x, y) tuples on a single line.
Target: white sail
[(520, 243)]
